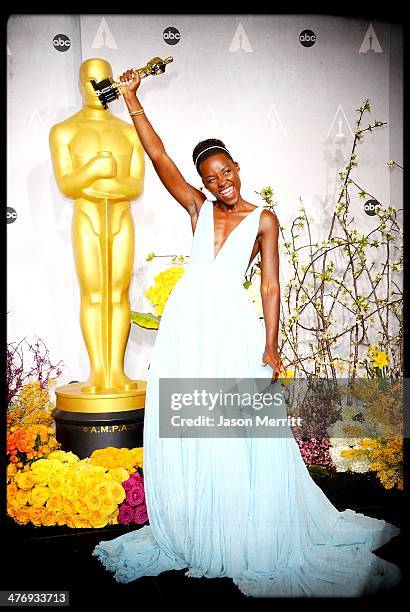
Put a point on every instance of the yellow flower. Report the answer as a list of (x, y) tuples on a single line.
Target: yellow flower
[(11, 470), (54, 502), (80, 489), (68, 492), (165, 281), (97, 519), (102, 488), (284, 373), (119, 474), (71, 458), (36, 515), (108, 506), (58, 455), (68, 507), (80, 506), (24, 480), (92, 500), (70, 521), (61, 518), (49, 518), (22, 497), (39, 495), (113, 518), (137, 455), (22, 516), (12, 489), (380, 360), (56, 484), (81, 522), (366, 443), (41, 471), (58, 468), (116, 492)]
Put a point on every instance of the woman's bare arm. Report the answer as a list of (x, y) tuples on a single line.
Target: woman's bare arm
[(270, 286), (188, 196)]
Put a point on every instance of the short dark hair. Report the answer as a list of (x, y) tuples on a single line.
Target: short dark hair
[(213, 145)]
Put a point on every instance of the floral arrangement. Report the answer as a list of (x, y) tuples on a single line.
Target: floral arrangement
[(159, 292), (133, 508), (369, 436), (382, 455), (46, 485), (27, 444), (64, 490), (165, 281), (315, 451), (26, 365), (318, 409)]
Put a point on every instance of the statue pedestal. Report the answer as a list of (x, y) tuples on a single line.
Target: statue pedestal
[(86, 422)]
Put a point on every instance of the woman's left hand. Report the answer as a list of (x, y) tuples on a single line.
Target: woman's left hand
[(272, 358)]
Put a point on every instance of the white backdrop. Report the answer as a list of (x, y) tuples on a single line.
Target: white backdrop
[(248, 80)]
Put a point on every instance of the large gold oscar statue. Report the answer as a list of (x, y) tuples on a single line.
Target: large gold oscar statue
[(98, 162)]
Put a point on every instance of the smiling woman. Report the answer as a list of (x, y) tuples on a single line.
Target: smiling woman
[(224, 175), (244, 507)]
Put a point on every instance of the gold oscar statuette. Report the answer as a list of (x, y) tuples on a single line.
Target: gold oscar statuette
[(98, 162), (108, 90)]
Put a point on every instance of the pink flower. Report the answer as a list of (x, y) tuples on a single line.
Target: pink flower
[(128, 484), (140, 514), (135, 496), (126, 514), (132, 481)]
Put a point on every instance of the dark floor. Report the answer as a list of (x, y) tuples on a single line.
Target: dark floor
[(60, 558)]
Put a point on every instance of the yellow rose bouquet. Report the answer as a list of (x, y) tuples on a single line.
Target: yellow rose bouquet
[(64, 490)]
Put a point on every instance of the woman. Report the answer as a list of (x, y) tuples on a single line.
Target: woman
[(244, 507)]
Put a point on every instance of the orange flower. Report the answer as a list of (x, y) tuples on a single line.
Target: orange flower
[(13, 459), (22, 439)]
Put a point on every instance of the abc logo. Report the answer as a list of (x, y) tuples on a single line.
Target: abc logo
[(61, 42), (11, 215), (307, 38), (370, 207), (171, 36)]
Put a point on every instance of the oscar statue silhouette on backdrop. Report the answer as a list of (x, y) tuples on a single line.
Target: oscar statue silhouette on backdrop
[(98, 162)]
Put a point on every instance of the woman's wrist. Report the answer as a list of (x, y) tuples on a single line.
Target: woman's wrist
[(132, 101)]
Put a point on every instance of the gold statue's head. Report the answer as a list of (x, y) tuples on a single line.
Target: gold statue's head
[(97, 69)]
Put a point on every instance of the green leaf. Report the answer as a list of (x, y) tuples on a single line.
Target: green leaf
[(145, 319)]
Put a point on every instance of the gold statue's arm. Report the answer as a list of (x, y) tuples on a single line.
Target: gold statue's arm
[(72, 183), (122, 188)]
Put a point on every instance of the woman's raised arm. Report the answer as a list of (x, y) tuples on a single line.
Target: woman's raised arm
[(188, 196)]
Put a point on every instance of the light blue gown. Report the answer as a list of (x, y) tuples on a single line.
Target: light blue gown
[(242, 508)]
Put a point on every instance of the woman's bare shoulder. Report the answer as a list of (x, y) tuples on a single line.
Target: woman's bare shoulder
[(269, 221)]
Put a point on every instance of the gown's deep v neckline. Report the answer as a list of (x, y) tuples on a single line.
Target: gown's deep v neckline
[(215, 257)]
